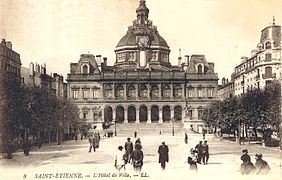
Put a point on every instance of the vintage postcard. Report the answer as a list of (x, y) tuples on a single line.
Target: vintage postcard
[(140, 89)]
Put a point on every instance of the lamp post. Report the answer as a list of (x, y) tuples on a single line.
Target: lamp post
[(172, 119), (115, 127)]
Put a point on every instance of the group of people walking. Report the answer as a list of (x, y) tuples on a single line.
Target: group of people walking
[(261, 167), (199, 155), (131, 155), (94, 140)]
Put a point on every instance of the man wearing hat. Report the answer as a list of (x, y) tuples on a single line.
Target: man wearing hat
[(247, 167), (262, 166), (163, 154), (245, 157)]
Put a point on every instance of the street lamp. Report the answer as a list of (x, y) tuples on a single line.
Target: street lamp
[(115, 127), (172, 119)]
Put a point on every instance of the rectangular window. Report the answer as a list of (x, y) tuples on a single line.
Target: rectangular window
[(200, 93), (190, 113), (268, 57), (200, 113), (190, 93), (210, 92), (95, 93), (85, 93), (85, 115), (75, 93), (96, 116)]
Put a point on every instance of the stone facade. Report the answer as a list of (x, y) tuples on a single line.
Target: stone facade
[(264, 65), (142, 86)]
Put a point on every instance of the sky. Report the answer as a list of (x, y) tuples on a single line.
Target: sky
[(57, 32)]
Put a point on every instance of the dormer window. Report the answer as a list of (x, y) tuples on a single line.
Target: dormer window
[(199, 69), (268, 45), (85, 69)]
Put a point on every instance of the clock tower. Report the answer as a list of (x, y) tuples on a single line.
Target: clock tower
[(142, 47)]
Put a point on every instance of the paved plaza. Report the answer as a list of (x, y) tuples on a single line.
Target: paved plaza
[(73, 157)]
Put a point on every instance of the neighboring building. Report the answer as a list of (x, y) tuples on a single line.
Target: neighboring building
[(264, 65), (226, 89), (59, 86), (10, 70), (36, 76), (142, 86), (10, 61)]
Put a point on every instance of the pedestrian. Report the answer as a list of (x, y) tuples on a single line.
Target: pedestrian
[(163, 154), (137, 158), (204, 134), (119, 159), (245, 157), (138, 141), (199, 148), (192, 160), (75, 137), (135, 134), (186, 138), (95, 141), (262, 167), (91, 143), (128, 146), (247, 167), (205, 152), (26, 147)]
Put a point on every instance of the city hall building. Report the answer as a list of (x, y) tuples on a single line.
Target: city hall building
[(142, 86)]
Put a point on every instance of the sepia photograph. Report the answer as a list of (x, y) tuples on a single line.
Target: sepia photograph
[(140, 89)]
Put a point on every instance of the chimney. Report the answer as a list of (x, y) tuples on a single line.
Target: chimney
[(187, 59), (105, 61), (223, 81), (179, 58), (99, 59), (31, 69), (9, 44), (3, 42)]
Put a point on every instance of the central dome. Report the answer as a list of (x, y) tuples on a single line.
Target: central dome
[(130, 40), (142, 46)]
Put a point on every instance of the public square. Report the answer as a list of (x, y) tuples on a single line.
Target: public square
[(73, 157)]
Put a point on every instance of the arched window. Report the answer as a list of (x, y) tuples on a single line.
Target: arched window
[(268, 45), (200, 69), (85, 69)]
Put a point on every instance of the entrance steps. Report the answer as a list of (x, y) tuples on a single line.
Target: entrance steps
[(128, 129)]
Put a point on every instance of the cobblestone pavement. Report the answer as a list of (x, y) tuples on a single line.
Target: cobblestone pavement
[(73, 157)]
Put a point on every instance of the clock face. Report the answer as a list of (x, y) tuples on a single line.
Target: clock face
[(143, 41)]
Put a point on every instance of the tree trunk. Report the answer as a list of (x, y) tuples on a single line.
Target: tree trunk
[(49, 135)]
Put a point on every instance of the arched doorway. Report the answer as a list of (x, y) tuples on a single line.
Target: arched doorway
[(178, 113), (120, 114), (143, 114), (155, 114), (108, 114), (166, 114), (131, 113)]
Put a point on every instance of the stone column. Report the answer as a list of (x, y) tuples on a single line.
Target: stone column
[(101, 94), (102, 114), (136, 91), (160, 90), (91, 115), (114, 113), (149, 115), (137, 115), (183, 113), (125, 115), (196, 113), (113, 91), (124, 91), (171, 113), (160, 115), (171, 91)]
